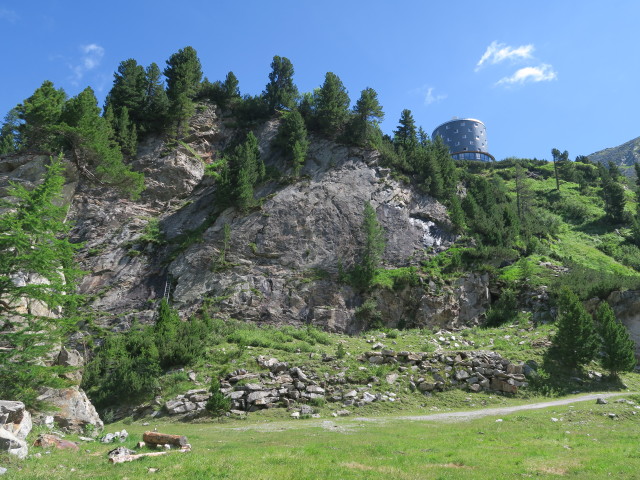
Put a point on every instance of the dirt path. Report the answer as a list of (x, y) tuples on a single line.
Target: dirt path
[(349, 424), (471, 414)]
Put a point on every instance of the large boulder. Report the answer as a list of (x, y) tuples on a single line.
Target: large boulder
[(15, 418), (71, 358), (74, 411), (13, 445)]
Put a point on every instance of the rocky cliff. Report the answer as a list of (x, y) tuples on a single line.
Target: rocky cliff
[(283, 258)]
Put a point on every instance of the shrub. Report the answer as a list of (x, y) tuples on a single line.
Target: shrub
[(504, 310), (217, 404), (369, 315), (178, 342), (125, 367)]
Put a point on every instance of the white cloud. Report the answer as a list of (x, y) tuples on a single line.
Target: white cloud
[(499, 52), (430, 98), (91, 57), (541, 73), (428, 94), (9, 15)]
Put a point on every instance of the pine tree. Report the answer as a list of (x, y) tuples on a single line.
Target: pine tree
[(446, 167), (9, 133), (156, 102), (128, 91), (576, 341), (126, 133), (40, 114), (405, 135), (367, 115), (427, 169), (612, 194), (230, 86), (37, 274), (243, 169), (292, 139), (617, 347), (280, 92), (183, 73), (90, 137), (332, 105)]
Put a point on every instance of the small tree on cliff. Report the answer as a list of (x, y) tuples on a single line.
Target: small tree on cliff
[(617, 346), (372, 248)]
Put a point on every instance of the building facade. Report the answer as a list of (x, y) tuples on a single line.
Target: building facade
[(466, 139)]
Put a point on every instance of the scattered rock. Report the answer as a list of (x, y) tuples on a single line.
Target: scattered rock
[(120, 436), (120, 452), (601, 401), (47, 440)]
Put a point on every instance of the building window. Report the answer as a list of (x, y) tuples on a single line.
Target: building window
[(462, 124), (464, 136)]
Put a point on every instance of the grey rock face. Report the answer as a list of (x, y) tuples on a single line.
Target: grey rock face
[(75, 411), (283, 259)]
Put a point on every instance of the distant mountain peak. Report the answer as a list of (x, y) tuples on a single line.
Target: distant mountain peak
[(623, 155)]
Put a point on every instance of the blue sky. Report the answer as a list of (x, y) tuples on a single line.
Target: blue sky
[(540, 74)]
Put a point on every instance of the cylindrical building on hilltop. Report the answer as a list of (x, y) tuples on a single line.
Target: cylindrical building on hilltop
[(466, 139)]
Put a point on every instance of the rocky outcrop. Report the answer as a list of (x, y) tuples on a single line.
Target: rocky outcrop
[(459, 304), (74, 412), (283, 258)]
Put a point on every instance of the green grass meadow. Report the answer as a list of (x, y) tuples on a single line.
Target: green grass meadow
[(582, 442)]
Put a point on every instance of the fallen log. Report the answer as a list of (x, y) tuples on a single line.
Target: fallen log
[(157, 438)]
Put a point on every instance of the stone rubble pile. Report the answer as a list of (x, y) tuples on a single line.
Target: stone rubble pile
[(281, 386), (192, 401), (473, 370), (291, 387)]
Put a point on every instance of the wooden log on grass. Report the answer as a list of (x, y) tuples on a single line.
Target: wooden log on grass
[(157, 438)]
